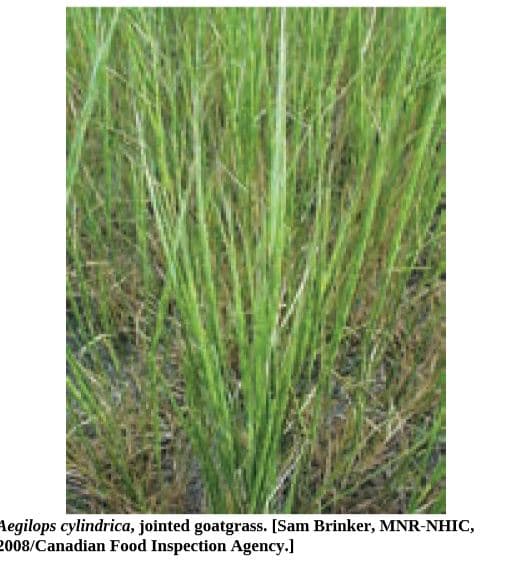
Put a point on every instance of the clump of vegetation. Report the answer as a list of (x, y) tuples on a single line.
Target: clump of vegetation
[(255, 260)]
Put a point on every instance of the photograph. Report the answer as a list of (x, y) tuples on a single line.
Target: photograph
[(255, 260)]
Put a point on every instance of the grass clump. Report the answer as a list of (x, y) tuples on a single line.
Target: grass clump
[(255, 260)]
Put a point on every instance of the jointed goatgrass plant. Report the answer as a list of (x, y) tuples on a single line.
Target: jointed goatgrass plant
[(255, 260)]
